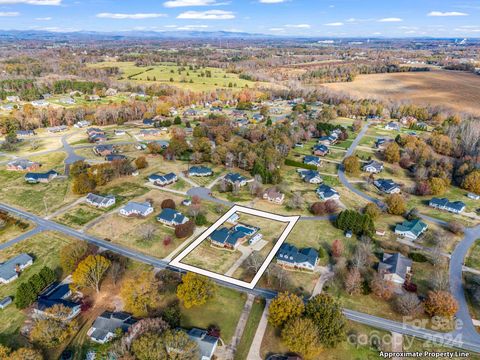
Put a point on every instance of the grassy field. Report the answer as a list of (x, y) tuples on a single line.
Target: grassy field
[(456, 90), (11, 231), (184, 77), (473, 257), (250, 329), (272, 344), (79, 215), (223, 311), (37, 198), (44, 248)]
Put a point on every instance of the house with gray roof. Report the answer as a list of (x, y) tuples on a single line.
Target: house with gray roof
[(104, 150), (395, 267), (273, 195), (206, 344), (411, 229), (106, 325), (373, 167), (26, 133), (387, 186), (10, 269), (392, 126), (137, 209), (171, 217), (100, 201), (289, 256), (455, 207)]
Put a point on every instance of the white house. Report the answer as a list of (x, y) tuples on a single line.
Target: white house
[(137, 209), (100, 201), (373, 167)]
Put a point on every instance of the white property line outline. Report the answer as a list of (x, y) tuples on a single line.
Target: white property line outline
[(291, 220)]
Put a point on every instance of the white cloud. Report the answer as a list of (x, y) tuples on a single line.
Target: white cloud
[(276, 29), (390, 19), (207, 15), (298, 26), (8, 13), (272, 1), (48, 18), (130, 16), (32, 2), (447, 13), (183, 3), (334, 24)]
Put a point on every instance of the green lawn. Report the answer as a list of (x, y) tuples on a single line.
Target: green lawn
[(250, 329), (44, 248), (473, 257), (184, 77), (223, 311), (79, 215)]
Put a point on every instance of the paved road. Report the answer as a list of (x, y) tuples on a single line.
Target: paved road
[(456, 282), (447, 339), (381, 323)]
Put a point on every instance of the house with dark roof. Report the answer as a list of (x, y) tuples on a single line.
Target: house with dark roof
[(392, 126), (10, 269), (148, 122), (103, 150), (190, 112), (373, 167), (234, 178), (326, 192), (57, 129), (273, 195), (5, 302), (411, 229), (100, 201), (57, 294), (320, 150), (387, 186), (291, 257), (395, 267), (95, 131), (150, 132), (200, 171), (97, 138), (231, 238), (106, 325), (26, 133), (115, 157), (381, 143), (35, 178), (82, 124), (137, 209), (455, 207), (312, 160), (23, 165), (171, 217), (310, 176), (328, 140), (207, 344), (163, 180)]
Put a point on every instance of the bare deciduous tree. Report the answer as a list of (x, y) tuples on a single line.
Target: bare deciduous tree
[(147, 232)]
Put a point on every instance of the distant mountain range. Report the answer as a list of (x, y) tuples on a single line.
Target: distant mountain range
[(127, 35)]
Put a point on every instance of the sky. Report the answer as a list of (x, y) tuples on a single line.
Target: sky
[(316, 18)]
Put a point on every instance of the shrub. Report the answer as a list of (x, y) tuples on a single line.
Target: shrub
[(168, 204), (418, 257)]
